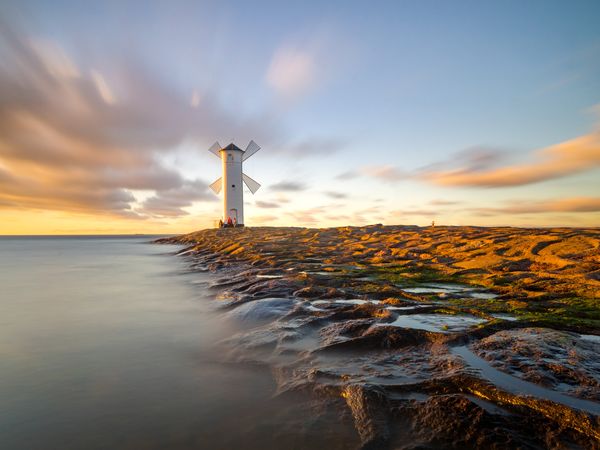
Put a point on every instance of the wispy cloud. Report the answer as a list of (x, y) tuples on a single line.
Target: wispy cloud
[(171, 202), (385, 173), (316, 147), (102, 86), (292, 72), (73, 139), (486, 167), (307, 61), (336, 195), (567, 158), (430, 213), (267, 205), (441, 202), (288, 186), (195, 100), (264, 220), (470, 159), (348, 175), (309, 216), (571, 205)]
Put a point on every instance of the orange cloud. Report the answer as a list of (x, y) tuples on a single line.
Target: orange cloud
[(264, 220), (386, 173), (571, 205), (415, 212), (567, 158)]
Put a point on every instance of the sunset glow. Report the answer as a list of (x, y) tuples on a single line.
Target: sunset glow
[(472, 115)]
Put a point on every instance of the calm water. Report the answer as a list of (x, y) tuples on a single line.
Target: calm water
[(108, 343)]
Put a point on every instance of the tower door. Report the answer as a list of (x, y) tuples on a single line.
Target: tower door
[(233, 213)]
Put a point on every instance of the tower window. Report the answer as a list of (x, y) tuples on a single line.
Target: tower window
[(233, 186)]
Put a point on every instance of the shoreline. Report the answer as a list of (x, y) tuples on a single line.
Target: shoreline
[(365, 313), (552, 275)]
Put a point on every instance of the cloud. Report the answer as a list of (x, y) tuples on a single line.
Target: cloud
[(281, 198), (440, 202), (348, 175), (74, 139), (483, 167), (264, 220), (316, 146), (267, 205), (292, 72), (472, 159), (308, 216), (170, 202), (385, 173), (336, 195), (103, 88), (567, 158), (308, 60), (288, 186), (416, 212), (195, 100), (53, 59), (571, 205)]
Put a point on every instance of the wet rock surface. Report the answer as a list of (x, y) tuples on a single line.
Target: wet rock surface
[(556, 359), (403, 337)]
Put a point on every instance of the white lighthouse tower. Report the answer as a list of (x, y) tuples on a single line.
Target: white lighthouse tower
[(231, 181)]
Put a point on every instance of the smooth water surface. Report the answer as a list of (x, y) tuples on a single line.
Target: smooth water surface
[(108, 342)]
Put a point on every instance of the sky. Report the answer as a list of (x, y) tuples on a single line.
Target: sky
[(399, 112)]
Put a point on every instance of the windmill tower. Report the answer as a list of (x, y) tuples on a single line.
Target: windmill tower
[(230, 182)]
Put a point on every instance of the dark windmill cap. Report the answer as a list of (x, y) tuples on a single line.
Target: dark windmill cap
[(232, 146)]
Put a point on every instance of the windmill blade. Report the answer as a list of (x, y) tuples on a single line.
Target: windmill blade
[(252, 185), (251, 149), (215, 149), (217, 185)]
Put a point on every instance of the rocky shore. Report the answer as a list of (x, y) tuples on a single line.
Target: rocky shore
[(445, 337)]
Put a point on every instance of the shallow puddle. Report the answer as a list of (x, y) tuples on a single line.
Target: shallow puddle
[(590, 337), (504, 317), (443, 289), (358, 301), (319, 273), (403, 308), (490, 407), (520, 387), (483, 295), (352, 301), (437, 288), (439, 323), (310, 307)]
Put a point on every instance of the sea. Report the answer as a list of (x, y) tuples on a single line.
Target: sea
[(110, 342)]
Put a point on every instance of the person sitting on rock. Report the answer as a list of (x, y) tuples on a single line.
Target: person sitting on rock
[(220, 223), (229, 222), (235, 222)]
